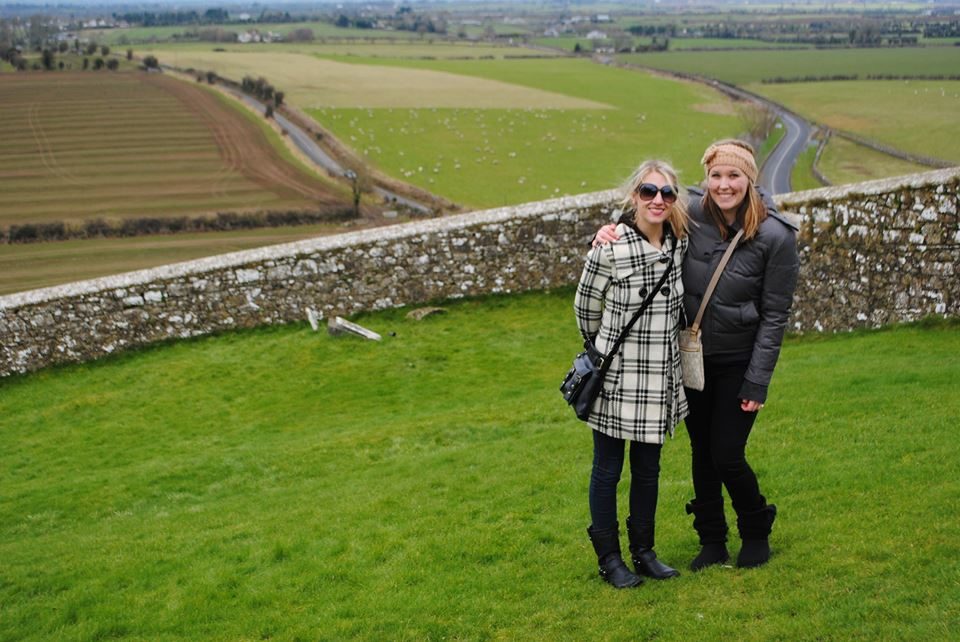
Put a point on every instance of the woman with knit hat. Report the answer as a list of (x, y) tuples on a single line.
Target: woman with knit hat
[(742, 330)]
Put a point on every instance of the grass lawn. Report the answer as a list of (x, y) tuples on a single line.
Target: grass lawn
[(284, 484)]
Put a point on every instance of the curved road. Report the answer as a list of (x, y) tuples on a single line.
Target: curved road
[(775, 173)]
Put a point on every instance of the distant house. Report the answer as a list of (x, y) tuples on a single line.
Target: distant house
[(551, 33), (602, 17), (596, 35)]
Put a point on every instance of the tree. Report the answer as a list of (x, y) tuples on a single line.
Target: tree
[(47, 59), (278, 98), (98, 64), (129, 54), (86, 63), (91, 48), (268, 112), (104, 50), (113, 64), (63, 46), (151, 62)]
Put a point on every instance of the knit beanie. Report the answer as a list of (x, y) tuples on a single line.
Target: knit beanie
[(731, 153)]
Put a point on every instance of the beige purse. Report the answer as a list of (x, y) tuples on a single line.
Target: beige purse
[(691, 349)]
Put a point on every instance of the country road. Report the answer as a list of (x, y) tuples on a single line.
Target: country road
[(775, 173)]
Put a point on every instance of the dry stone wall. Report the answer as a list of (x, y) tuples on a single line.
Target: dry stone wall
[(872, 253)]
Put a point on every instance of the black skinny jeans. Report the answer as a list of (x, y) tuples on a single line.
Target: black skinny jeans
[(718, 431), (608, 455)]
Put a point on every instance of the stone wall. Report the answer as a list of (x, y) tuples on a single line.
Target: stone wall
[(872, 253)]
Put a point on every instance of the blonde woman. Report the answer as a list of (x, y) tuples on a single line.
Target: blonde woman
[(642, 398), (742, 330)]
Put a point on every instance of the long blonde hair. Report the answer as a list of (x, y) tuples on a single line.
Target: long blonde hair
[(678, 218), (751, 211)]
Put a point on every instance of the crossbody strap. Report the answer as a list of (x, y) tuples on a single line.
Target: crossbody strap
[(715, 279), (605, 361)]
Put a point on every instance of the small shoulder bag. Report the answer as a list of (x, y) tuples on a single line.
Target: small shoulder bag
[(691, 348), (582, 385)]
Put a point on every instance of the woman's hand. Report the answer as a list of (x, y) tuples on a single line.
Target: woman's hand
[(606, 234), (750, 406)]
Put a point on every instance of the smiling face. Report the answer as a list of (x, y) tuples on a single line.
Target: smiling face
[(651, 214), (728, 187)]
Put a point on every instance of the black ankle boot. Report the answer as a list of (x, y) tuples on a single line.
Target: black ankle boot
[(641, 550), (606, 544), (710, 555), (711, 526), (755, 528)]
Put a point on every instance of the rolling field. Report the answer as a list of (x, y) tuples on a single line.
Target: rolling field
[(80, 146), (493, 132)]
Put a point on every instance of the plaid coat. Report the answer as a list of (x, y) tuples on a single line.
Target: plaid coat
[(642, 397)]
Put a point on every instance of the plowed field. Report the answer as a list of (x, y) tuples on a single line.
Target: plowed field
[(84, 145)]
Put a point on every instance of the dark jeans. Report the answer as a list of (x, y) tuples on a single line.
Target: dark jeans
[(718, 431), (608, 455)]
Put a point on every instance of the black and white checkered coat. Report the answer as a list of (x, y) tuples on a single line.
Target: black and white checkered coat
[(642, 397)]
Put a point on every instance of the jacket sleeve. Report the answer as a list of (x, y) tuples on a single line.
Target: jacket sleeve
[(779, 282), (594, 282)]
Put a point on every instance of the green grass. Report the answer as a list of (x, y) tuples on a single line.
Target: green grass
[(846, 162), (284, 484), (745, 67), (802, 178), (488, 158)]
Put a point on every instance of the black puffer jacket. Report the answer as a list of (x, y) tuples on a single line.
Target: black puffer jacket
[(747, 315)]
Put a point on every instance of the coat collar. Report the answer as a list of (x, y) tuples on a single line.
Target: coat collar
[(631, 252)]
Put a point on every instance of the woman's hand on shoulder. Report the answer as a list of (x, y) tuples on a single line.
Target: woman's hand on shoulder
[(606, 234)]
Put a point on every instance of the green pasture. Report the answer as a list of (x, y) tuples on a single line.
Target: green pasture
[(845, 162), (487, 158), (284, 484), (746, 67), (922, 117)]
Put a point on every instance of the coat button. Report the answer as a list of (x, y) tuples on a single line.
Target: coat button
[(665, 291), (643, 293), (664, 259)]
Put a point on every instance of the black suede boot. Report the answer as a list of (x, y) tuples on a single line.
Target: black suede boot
[(606, 544), (641, 550), (755, 530), (711, 526)]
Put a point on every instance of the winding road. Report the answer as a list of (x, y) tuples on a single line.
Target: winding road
[(775, 173)]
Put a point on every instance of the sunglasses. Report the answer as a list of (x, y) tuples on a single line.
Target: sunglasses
[(648, 192)]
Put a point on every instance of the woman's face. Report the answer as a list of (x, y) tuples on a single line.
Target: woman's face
[(652, 213), (727, 186)]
